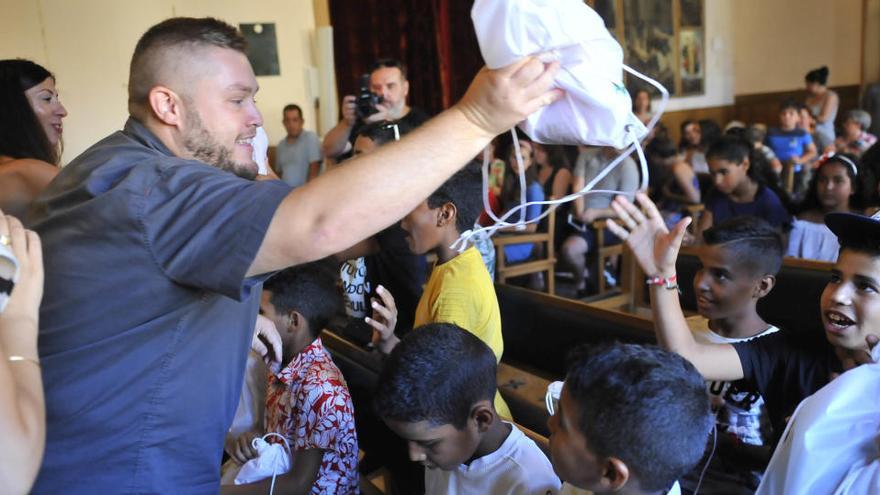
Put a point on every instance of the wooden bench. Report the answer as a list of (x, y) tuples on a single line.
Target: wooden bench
[(540, 328)]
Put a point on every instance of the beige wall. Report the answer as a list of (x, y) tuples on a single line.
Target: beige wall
[(777, 41), (88, 45)]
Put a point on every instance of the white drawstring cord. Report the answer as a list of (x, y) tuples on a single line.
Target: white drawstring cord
[(275, 468), (500, 223)]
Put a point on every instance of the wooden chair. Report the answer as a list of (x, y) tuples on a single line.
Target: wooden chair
[(544, 263), (603, 254), (788, 176)]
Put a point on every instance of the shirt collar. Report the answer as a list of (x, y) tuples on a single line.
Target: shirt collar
[(138, 131), (301, 361)]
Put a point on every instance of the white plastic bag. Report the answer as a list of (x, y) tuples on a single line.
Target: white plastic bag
[(597, 108), (830, 443), (271, 460)]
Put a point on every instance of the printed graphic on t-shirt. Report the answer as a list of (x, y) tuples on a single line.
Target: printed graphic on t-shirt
[(355, 287)]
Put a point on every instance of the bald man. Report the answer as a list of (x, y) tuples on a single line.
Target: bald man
[(157, 240)]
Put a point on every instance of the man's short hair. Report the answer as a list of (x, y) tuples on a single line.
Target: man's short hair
[(436, 374), (389, 63), (643, 405), (758, 244), (153, 51), (308, 289), (292, 106), (464, 190)]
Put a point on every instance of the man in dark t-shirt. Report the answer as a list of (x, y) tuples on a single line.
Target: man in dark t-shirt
[(784, 367), (387, 80), (157, 238)]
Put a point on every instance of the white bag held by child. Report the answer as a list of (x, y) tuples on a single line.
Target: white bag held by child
[(596, 108), (272, 460), (831, 442)]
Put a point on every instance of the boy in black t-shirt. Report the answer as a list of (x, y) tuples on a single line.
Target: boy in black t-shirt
[(783, 367)]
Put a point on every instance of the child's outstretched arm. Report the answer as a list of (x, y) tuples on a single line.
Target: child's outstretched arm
[(656, 249)]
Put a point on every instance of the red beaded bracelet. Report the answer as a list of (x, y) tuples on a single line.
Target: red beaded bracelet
[(667, 283)]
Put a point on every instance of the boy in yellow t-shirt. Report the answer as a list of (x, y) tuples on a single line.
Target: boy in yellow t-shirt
[(460, 290)]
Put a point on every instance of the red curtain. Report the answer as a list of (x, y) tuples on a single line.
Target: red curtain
[(434, 38)]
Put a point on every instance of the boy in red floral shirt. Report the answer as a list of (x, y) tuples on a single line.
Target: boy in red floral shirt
[(308, 400)]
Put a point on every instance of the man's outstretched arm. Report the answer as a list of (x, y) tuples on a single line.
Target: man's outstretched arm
[(350, 203)]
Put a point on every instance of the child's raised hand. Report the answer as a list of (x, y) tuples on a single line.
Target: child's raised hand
[(644, 231), (384, 316)]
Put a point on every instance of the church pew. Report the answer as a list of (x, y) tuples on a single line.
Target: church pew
[(539, 329)]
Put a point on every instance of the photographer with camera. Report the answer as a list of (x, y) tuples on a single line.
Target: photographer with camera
[(381, 97)]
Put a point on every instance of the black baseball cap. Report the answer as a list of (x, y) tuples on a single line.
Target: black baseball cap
[(853, 228)]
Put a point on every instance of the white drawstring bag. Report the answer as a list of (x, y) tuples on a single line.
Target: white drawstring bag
[(272, 460), (596, 108), (830, 443)]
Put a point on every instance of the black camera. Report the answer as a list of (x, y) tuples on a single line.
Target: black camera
[(366, 101)]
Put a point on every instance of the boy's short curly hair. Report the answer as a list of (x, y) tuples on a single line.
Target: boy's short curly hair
[(436, 374), (464, 190), (643, 405)]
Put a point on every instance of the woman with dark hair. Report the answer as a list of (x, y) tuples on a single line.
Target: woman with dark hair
[(511, 197), (30, 133), (838, 185), (693, 146), (742, 184), (642, 106), (823, 104), (554, 169)]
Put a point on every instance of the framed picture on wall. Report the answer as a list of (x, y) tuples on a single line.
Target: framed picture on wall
[(649, 39), (690, 61), (262, 48), (663, 39)]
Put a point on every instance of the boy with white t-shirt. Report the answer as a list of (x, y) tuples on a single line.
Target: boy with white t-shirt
[(629, 419), (436, 391)]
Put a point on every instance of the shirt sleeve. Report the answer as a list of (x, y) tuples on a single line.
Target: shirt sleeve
[(204, 226), (759, 358), (326, 414), (807, 139), (629, 176), (534, 193), (580, 165), (454, 305), (774, 212), (314, 148)]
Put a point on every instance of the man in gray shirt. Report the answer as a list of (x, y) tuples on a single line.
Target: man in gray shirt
[(298, 156)]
